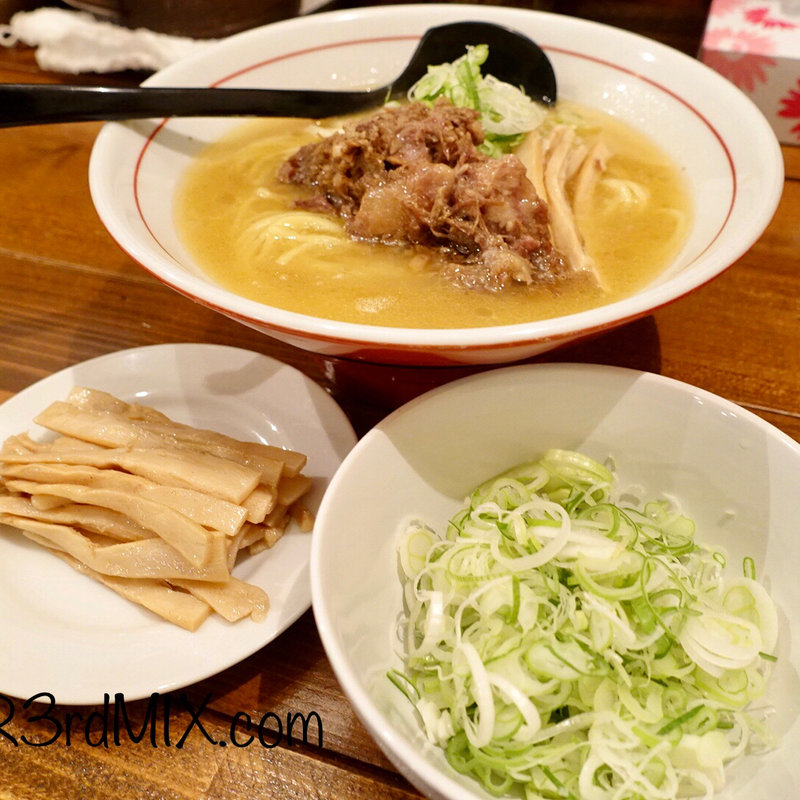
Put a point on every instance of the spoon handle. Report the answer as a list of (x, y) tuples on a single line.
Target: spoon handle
[(35, 104)]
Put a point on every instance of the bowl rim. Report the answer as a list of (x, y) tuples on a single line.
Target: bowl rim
[(396, 747), (432, 340)]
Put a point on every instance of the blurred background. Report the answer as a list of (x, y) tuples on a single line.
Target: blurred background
[(679, 24)]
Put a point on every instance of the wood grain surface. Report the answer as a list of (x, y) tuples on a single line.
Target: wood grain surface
[(68, 293)]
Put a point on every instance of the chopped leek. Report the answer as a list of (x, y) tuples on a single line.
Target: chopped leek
[(507, 113), (559, 642)]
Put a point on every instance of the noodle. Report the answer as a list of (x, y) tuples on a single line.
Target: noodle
[(243, 229)]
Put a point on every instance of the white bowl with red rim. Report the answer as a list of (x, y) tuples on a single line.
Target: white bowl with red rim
[(716, 135)]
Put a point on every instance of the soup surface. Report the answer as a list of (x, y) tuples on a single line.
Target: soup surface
[(240, 225)]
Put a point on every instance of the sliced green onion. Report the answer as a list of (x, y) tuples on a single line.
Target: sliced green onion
[(559, 645), (562, 790), (678, 721), (507, 113), (767, 656), (402, 682)]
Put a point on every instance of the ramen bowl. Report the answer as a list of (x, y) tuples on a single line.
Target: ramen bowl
[(715, 135), (731, 472)]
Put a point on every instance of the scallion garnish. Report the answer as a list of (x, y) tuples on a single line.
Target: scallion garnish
[(559, 645)]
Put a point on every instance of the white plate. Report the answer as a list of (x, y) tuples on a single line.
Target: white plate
[(76, 639)]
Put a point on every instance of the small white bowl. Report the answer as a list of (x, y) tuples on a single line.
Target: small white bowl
[(735, 475), (711, 130)]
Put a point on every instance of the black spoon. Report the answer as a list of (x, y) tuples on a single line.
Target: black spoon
[(513, 58)]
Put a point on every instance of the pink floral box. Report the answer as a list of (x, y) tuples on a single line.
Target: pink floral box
[(756, 45)]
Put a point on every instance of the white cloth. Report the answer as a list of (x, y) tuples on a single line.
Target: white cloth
[(74, 41)]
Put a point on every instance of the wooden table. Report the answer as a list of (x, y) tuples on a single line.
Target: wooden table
[(68, 293)]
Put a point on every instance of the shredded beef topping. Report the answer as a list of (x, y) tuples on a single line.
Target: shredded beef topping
[(414, 175)]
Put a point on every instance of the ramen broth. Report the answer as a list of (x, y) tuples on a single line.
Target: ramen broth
[(240, 225)]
